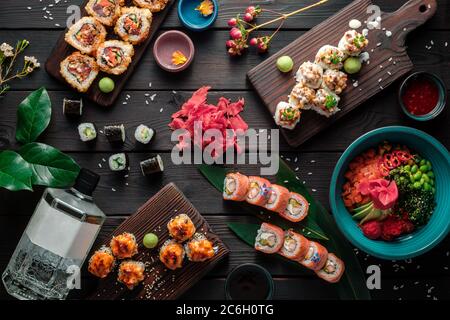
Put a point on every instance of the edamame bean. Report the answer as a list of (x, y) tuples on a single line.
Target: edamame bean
[(424, 168), (414, 168), (425, 177), (417, 185), (407, 168), (431, 182), (430, 174), (417, 175), (426, 186), (423, 162)]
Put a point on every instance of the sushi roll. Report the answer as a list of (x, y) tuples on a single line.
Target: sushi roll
[(87, 131), (258, 191), (295, 246), (333, 270), (72, 108), (302, 96), (131, 273), (330, 57), (326, 103), (316, 256), (334, 80), (86, 35), (143, 134), (181, 227), (278, 198), (286, 115), (115, 133), (152, 5), (79, 71), (199, 249), (172, 254), (102, 262), (105, 11), (235, 187), (124, 245), (310, 74), (152, 166), (133, 25), (270, 238), (296, 208), (353, 43), (114, 56), (118, 162)]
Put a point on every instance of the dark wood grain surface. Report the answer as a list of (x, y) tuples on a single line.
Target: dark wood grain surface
[(425, 277)]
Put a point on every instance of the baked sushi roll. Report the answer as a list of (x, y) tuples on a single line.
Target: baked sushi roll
[(143, 134), (131, 273), (326, 103), (278, 198), (152, 5), (79, 71), (199, 248), (353, 43), (102, 262), (258, 191), (118, 162), (334, 80), (269, 239), (302, 96), (105, 11), (333, 270), (87, 131), (296, 209), (124, 245), (316, 256), (330, 57), (86, 35), (133, 25), (114, 56), (172, 254), (181, 227), (287, 115), (295, 246), (235, 186), (310, 74)]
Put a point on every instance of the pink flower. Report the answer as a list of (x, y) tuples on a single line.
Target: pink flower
[(383, 193)]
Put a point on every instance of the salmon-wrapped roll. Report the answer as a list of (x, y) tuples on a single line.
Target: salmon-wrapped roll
[(278, 199), (235, 187), (258, 192), (296, 209), (270, 238), (316, 256), (295, 246), (333, 270)]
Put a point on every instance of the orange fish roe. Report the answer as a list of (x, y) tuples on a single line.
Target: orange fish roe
[(131, 273), (101, 262), (199, 250), (124, 245)]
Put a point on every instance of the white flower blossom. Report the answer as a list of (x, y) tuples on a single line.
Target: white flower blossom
[(32, 61), (7, 50)]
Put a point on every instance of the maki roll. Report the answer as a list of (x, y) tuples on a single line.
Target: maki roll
[(269, 238), (114, 56), (302, 97), (79, 71), (105, 11), (133, 25), (152, 166), (310, 74), (102, 262), (278, 198), (286, 115), (199, 249), (118, 162), (334, 80), (131, 273), (326, 103), (124, 245), (353, 43), (115, 133), (143, 134), (152, 5), (87, 131), (295, 246), (333, 270), (181, 227), (235, 187), (86, 35), (296, 208), (73, 107), (316, 256), (172, 254), (258, 191), (330, 57)]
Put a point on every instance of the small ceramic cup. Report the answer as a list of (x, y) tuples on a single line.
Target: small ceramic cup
[(192, 19), (169, 42), (257, 278)]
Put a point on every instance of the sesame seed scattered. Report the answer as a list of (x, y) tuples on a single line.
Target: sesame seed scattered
[(113, 190), (29, 8), (124, 102), (161, 110)]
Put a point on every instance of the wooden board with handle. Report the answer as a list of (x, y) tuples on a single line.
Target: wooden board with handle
[(388, 61)]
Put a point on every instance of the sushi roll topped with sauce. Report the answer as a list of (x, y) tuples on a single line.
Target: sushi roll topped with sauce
[(333, 270), (133, 24), (258, 191), (302, 96), (102, 262), (181, 227), (286, 115), (334, 80), (270, 238), (131, 273), (330, 57), (105, 11), (152, 5), (310, 74), (79, 70), (326, 103), (86, 35), (172, 254), (114, 56), (235, 186), (353, 43), (124, 245), (199, 248)]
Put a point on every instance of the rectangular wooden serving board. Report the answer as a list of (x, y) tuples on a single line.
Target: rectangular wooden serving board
[(388, 61), (62, 49), (160, 283)]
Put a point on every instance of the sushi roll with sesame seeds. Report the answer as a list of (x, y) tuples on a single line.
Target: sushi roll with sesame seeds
[(235, 186), (330, 57), (87, 131), (296, 209), (334, 80), (114, 56), (278, 198), (172, 254), (326, 103), (86, 35), (79, 70), (199, 248), (295, 246), (181, 227), (152, 5), (143, 134), (102, 262), (353, 43), (124, 246), (105, 11), (258, 191), (302, 97), (316, 256), (133, 25), (118, 162), (131, 273), (115, 133), (333, 270), (286, 115), (269, 239), (310, 74)]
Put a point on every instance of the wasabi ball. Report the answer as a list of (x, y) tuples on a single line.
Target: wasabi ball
[(285, 64), (150, 240), (352, 65)]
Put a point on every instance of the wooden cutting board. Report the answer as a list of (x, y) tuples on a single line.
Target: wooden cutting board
[(388, 61), (62, 49), (160, 283)]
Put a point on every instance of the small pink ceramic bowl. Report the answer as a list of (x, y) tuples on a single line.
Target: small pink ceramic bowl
[(169, 42)]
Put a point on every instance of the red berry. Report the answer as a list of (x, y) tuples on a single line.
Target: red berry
[(253, 41), (235, 33), (250, 9), (248, 17), (372, 229), (232, 22), (230, 44)]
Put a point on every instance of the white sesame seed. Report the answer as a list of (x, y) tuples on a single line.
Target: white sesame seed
[(113, 190), (161, 110), (146, 102), (29, 8)]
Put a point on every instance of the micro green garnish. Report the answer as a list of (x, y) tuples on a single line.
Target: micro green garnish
[(330, 102), (358, 41)]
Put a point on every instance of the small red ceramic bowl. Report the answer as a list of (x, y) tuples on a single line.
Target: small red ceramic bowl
[(168, 43)]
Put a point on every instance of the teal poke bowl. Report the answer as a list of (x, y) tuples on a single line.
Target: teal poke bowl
[(193, 19), (422, 239)]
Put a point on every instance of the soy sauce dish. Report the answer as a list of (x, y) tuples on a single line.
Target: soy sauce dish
[(173, 51), (192, 18)]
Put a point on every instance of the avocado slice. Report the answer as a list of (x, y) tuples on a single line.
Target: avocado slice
[(363, 213), (375, 214), (364, 206)]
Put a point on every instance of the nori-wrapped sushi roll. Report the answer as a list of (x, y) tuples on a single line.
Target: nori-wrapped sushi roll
[(118, 162), (115, 133), (144, 134), (73, 107), (87, 131), (152, 165)]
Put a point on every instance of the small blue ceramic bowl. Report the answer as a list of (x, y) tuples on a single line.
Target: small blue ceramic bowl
[(422, 239), (192, 19)]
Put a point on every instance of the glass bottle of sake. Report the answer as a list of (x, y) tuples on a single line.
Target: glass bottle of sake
[(47, 261)]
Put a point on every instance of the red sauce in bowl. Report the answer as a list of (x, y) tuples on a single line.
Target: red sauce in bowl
[(420, 96)]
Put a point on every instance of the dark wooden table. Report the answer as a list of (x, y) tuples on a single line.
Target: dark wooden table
[(427, 277)]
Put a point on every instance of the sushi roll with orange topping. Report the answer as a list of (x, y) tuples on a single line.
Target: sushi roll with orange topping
[(124, 245), (199, 249), (235, 187), (333, 270), (316, 256), (181, 227), (329, 57), (114, 56), (258, 191), (152, 5), (287, 115), (353, 43), (310, 74), (105, 11), (295, 246), (270, 238), (86, 35), (172, 254), (334, 80), (131, 273), (133, 25), (79, 70), (278, 198), (302, 97), (296, 209), (102, 262)]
